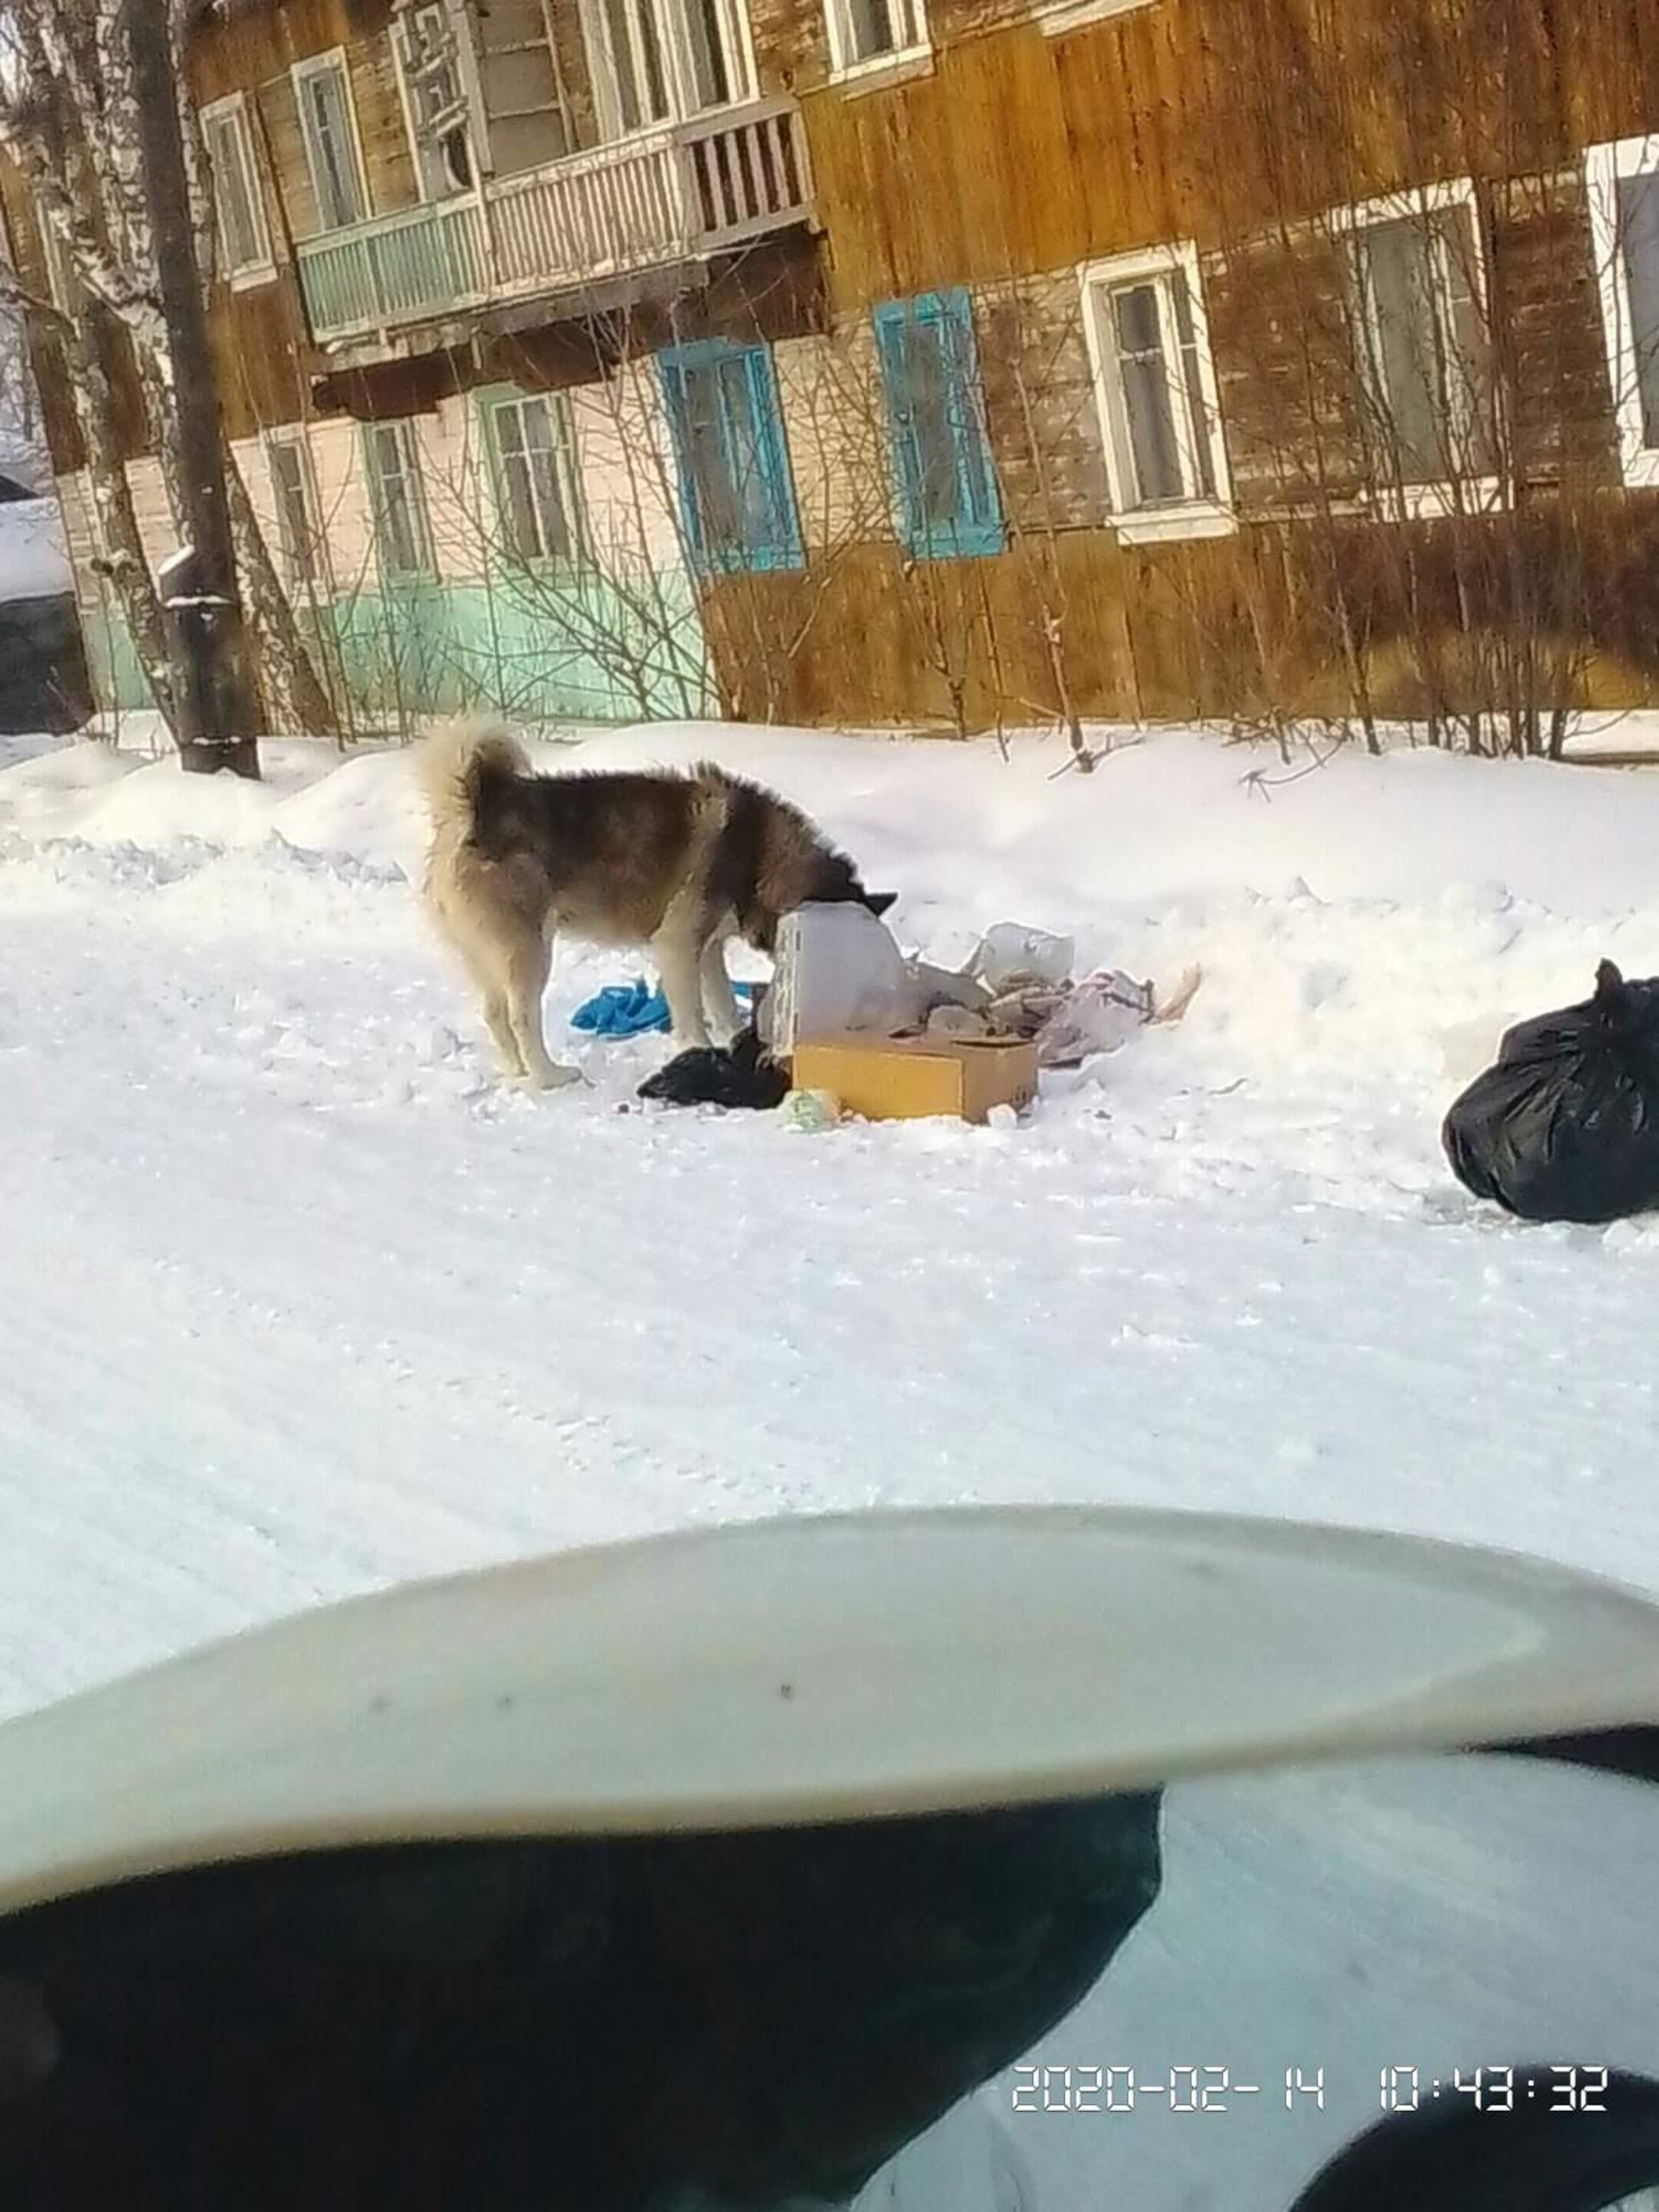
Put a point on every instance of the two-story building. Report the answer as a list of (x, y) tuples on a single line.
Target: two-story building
[(968, 362)]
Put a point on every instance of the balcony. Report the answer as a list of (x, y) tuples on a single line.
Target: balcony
[(678, 194)]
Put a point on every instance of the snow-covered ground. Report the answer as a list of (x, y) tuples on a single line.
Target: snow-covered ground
[(33, 561), (296, 1298)]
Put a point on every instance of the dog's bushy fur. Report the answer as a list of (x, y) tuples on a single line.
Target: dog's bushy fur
[(678, 862)]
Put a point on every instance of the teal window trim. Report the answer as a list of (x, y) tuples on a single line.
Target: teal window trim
[(574, 555), (424, 568), (945, 323), (761, 433)]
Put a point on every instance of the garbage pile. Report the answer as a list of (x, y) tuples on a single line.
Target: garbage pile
[(887, 1037)]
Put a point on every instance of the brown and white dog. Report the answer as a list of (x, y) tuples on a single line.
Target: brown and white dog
[(675, 862)]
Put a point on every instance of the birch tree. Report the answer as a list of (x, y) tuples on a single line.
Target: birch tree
[(68, 124)]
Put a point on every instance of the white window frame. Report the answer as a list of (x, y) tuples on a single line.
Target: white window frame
[(565, 468), (292, 438), (679, 74), (412, 469), (1199, 514), (467, 81), (1471, 494), (848, 66), (1604, 168), (318, 64), (240, 275)]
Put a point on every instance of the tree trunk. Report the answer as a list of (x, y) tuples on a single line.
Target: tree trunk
[(121, 549), (295, 697), (293, 694), (217, 715)]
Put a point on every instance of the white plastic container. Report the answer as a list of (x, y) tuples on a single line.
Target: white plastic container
[(838, 968), (1012, 953)]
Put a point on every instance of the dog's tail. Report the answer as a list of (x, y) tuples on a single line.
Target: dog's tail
[(455, 764)]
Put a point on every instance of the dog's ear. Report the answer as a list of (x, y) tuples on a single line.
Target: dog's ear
[(879, 902)]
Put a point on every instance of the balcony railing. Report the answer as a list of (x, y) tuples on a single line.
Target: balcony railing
[(690, 189)]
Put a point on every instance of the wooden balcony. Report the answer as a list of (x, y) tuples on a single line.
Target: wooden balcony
[(678, 194)]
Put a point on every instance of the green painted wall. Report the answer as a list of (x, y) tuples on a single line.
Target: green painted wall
[(118, 683), (537, 648)]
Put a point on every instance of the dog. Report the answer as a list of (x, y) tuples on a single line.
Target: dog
[(678, 863)]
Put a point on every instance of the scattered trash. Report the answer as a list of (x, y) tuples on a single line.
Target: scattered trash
[(1070, 1022), (1011, 954), (915, 1078), (1565, 1127), (706, 1075), (1165, 1012), (809, 1111), (632, 1009), (838, 969), (1103, 1012), (840, 980)]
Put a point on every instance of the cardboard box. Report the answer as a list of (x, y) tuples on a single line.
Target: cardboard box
[(908, 1078)]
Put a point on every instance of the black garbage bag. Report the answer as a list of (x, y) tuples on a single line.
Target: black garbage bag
[(705, 1076), (1566, 1125)]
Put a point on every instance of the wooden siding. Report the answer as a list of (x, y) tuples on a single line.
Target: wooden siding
[(1240, 124), (1208, 119), (1211, 628)]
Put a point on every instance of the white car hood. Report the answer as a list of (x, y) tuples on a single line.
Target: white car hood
[(785, 1671)]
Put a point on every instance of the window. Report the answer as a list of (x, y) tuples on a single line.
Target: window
[(329, 129), (1419, 321), (529, 448), (664, 59), (399, 505), (1155, 387), (870, 34), (736, 499), (298, 529), (1623, 182), (435, 107), (947, 503), (244, 240)]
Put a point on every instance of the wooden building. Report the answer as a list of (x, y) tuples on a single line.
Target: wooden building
[(970, 362)]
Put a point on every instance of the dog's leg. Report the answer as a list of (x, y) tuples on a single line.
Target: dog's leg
[(500, 1029), (678, 964), (720, 1002), (484, 964), (527, 967)]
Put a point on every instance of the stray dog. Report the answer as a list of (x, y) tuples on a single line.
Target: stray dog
[(678, 862)]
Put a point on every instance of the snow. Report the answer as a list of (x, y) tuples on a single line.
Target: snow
[(297, 1298), (1315, 1928), (33, 562)]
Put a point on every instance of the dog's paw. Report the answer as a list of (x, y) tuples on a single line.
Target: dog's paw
[(554, 1077)]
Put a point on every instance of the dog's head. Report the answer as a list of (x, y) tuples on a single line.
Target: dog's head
[(835, 881)]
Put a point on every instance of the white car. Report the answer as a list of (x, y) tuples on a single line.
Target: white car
[(1034, 1860)]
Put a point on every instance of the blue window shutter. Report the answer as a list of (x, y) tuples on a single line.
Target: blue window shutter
[(943, 323), (784, 549), (981, 510), (750, 436), (677, 401), (893, 327)]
